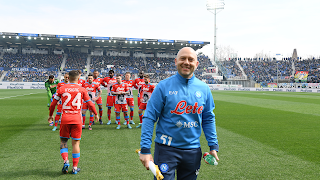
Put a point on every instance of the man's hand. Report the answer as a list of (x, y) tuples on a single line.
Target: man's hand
[(50, 119), (214, 154), (145, 158), (97, 117), (95, 99)]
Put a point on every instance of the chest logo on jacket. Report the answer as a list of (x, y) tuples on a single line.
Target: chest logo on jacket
[(182, 108), (173, 92)]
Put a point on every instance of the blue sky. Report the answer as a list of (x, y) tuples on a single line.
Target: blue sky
[(247, 26)]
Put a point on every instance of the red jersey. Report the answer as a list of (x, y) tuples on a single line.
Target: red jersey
[(98, 80), (60, 84), (146, 91), (92, 89), (109, 81), (120, 98), (81, 82), (130, 84), (71, 96), (138, 83)]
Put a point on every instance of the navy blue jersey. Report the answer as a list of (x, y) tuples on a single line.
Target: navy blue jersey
[(181, 106)]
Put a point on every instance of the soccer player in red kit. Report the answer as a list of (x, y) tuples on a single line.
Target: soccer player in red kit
[(137, 84), (80, 81), (71, 125), (145, 94), (120, 90), (59, 108), (108, 82), (98, 80), (92, 89), (130, 100)]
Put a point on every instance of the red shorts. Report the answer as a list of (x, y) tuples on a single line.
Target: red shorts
[(142, 106), (139, 101), (85, 106), (73, 130), (110, 101), (99, 101), (130, 102), (118, 107)]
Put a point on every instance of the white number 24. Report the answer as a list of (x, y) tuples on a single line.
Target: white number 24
[(164, 139), (76, 101)]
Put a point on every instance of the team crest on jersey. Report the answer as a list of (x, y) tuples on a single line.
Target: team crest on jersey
[(197, 94), (164, 167), (92, 85)]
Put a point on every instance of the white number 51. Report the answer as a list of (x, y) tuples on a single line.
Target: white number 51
[(164, 139)]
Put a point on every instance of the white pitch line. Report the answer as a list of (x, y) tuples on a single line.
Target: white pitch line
[(18, 95)]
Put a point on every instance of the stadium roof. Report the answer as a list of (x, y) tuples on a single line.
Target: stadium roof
[(53, 42)]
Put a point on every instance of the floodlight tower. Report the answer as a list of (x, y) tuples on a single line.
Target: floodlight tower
[(213, 6)]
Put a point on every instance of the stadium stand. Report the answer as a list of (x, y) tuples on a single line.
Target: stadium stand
[(31, 60), (266, 70), (232, 68), (313, 68), (30, 67), (76, 60), (28, 76), (260, 71)]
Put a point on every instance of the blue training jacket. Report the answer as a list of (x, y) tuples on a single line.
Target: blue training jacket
[(181, 106)]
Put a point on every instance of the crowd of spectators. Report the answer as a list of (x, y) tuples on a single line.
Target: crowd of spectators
[(210, 80), (266, 70), (31, 60), (157, 77), (162, 68), (48, 63), (261, 71), (76, 60), (159, 68), (232, 68), (28, 76), (313, 68), (204, 63), (120, 63), (160, 65)]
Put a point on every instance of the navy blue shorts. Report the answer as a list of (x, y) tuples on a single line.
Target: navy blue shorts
[(186, 161)]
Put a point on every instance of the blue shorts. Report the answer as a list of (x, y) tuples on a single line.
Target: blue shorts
[(186, 161)]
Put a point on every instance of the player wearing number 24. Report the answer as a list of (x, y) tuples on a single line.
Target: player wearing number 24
[(71, 96), (180, 117)]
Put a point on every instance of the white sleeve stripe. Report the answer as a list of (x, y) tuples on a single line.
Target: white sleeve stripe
[(56, 97)]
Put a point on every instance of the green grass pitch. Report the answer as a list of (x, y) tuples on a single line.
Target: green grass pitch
[(262, 135)]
